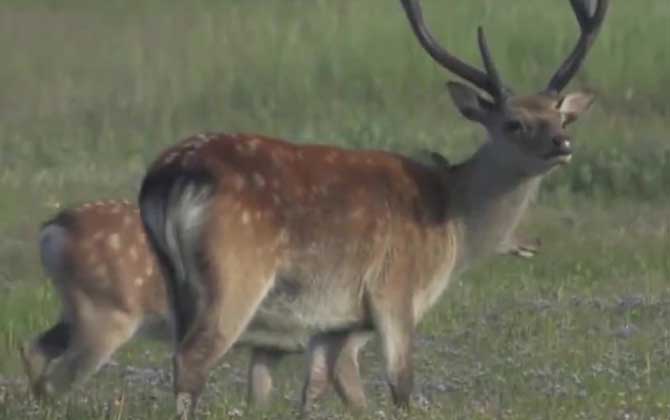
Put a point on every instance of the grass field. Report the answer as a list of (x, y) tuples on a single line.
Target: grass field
[(91, 91)]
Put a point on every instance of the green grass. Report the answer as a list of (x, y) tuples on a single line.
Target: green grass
[(91, 91)]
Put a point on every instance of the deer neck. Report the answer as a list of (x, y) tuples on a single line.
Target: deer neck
[(489, 195)]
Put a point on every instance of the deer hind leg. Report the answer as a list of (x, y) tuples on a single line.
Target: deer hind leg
[(346, 372), (38, 354), (220, 320), (317, 379), (262, 362), (95, 336), (333, 358)]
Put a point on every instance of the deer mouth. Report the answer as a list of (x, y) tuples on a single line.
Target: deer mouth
[(563, 159), (558, 157)]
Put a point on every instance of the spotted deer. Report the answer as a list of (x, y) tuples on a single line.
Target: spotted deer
[(111, 289), (269, 240)]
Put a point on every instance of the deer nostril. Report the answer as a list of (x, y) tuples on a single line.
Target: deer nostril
[(562, 144)]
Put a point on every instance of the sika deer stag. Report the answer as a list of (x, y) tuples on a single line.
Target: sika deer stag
[(111, 290), (278, 241)]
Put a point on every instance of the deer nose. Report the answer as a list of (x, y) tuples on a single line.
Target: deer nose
[(562, 144)]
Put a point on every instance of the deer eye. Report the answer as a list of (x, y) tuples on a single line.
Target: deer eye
[(513, 126)]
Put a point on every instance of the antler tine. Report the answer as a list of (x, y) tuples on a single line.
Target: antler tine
[(443, 57), (589, 25), (493, 75)]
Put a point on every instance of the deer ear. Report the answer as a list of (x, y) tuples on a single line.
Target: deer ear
[(471, 105), (574, 104)]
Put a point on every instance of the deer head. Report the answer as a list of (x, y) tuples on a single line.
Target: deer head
[(526, 131)]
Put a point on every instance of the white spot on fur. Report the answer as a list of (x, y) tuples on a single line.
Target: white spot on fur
[(253, 144), (150, 270), (259, 180), (139, 281), (283, 237), (331, 157), (133, 253), (170, 157), (101, 270), (114, 241), (247, 147), (358, 213), (194, 142), (245, 217), (239, 183)]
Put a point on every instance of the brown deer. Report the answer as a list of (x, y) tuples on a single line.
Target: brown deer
[(111, 290), (265, 241)]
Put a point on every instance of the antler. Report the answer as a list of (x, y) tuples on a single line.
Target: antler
[(489, 81), (589, 30)]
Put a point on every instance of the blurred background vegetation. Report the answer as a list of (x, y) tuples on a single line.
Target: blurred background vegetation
[(92, 90)]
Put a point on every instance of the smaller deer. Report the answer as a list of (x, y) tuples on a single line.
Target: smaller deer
[(111, 290)]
